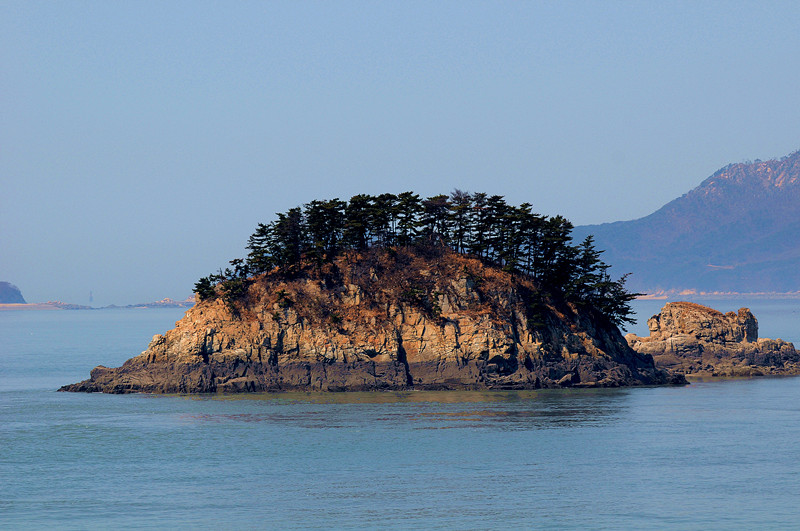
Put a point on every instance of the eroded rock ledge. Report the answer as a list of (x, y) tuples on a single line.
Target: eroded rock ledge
[(699, 340), (384, 320)]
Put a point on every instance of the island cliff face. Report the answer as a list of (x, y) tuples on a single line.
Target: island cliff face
[(385, 319), (695, 339)]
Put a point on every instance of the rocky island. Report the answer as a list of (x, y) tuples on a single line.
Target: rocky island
[(363, 296), (698, 340)]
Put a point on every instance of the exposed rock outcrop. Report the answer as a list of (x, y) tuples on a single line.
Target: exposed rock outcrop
[(699, 340), (387, 319)]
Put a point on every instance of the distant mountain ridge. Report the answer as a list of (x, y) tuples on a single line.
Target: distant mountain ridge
[(739, 230), (10, 294)]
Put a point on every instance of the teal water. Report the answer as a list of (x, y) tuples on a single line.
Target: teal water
[(720, 455)]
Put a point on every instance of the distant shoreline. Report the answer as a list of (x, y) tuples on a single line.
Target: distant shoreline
[(720, 295), (29, 306), (57, 305)]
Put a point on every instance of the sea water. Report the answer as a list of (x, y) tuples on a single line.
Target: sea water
[(720, 454)]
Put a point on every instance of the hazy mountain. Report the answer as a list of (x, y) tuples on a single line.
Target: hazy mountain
[(738, 231), (10, 294)]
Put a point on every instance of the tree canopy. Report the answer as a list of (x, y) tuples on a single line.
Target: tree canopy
[(476, 224)]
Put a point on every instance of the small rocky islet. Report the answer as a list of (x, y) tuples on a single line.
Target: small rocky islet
[(700, 341)]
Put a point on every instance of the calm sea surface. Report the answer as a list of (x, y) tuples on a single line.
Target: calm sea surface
[(722, 455)]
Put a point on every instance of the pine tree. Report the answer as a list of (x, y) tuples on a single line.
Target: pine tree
[(409, 208), (204, 289), (587, 273), (324, 222), (460, 205), (384, 218), (290, 237), (358, 222), (261, 244), (557, 253), (530, 240), (496, 232), (613, 299), (435, 219), (479, 225)]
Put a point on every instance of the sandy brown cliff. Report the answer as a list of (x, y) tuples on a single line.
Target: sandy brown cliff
[(695, 339), (384, 320)]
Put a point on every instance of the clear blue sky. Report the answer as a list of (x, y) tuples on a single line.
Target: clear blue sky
[(141, 142)]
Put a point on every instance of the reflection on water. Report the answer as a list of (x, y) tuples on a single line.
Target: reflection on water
[(394, 397), (417, 409), (379, 397)]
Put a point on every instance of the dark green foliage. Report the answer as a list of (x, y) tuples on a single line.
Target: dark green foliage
[(460, 206), (358, 222), (233, 289), (513, 238), (262, 245), (420, 297), (409, 207), (384, 219), (479, 225), (290, 238), (284, 301), (612, 299), (230, 284), (324, 224), (204, 289), (435, 220)]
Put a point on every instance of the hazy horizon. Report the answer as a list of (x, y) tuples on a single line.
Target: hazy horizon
[(143, 142)]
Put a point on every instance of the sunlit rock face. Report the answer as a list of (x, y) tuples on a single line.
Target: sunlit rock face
[(696, 339)]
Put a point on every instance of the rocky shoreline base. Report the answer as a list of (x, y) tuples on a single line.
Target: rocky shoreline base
[(243, 376)]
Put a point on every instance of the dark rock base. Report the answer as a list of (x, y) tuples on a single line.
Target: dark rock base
[(238, 377)]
